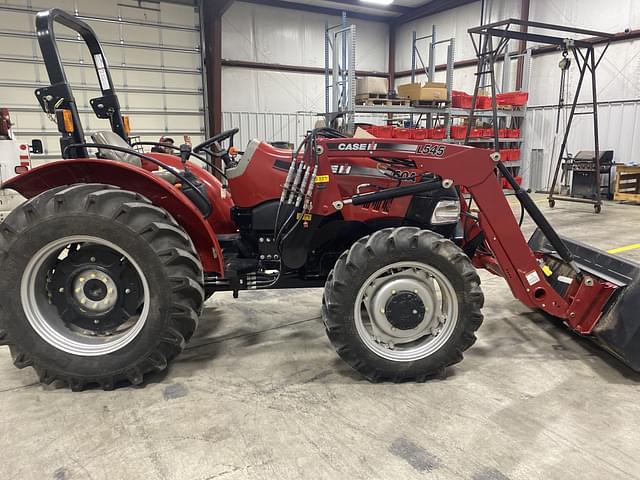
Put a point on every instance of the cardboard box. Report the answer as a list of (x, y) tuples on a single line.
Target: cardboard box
[(428, 91), (362, 133), (376, 85)]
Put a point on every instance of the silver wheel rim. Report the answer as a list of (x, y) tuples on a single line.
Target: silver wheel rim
[(434, 327), (46, 321)]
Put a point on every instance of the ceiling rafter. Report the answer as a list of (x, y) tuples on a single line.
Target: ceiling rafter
[(391, 8), (429, 8), (317, 9)]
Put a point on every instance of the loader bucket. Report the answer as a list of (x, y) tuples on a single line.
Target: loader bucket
[(618, 329)]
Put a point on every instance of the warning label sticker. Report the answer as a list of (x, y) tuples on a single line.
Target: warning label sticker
[(102, 71), (533, 277)]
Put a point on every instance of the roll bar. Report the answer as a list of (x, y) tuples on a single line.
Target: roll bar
[(59, 95)]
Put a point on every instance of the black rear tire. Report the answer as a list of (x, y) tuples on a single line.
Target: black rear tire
[(148, 235), (393, 246)]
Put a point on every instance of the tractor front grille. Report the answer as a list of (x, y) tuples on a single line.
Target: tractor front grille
[(378, 206)]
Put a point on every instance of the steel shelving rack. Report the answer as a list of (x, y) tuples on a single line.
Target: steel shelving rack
[(340, 89)]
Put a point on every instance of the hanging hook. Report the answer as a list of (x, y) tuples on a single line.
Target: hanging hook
[(565, 63)]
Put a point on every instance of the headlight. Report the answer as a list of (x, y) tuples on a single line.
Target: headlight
[(446, 211)]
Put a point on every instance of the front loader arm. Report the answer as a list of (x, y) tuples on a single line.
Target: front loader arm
[(475, 169)]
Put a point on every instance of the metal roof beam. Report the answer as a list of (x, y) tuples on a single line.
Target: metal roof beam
[(431, 8), (336, 12), (391, 8)]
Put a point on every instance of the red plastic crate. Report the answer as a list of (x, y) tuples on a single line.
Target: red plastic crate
[(382, 131), (513, 133), (487, 132), (510, 154), (483, 103), (438, 133), (402, 133), (503, 133), (460, 99), (419, 133), (476, 132), (458, 132), (514, 99), (505, 184)]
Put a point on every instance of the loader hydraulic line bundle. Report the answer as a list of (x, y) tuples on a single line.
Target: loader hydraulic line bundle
[(107, 265)]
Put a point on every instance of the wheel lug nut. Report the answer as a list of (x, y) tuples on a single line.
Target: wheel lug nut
[(96, 321), (382, 310), (61, 290), (127, 291), (415, 312), (93, 259), (393, 292), (415, 291)]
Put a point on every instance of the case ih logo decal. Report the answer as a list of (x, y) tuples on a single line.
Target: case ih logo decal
[(357, 146), (341, 169), (431, 150)]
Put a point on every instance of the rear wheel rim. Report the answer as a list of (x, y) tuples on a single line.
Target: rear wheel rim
[(93, 294), (406, 311)]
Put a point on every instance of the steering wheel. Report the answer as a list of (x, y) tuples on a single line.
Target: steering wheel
[(221, 137)]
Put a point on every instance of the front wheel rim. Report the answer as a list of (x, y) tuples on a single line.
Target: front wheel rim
[(92, 300), (406, 311)]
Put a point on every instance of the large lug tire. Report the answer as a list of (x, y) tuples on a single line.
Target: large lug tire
[(98, 288), (402, 305)]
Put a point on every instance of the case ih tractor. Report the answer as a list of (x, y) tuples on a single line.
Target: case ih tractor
[(106, 267)]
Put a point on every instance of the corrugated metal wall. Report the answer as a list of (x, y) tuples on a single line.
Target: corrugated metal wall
[(286, 127), (153, 49), (265, 34), (270, 126), (619, 123)]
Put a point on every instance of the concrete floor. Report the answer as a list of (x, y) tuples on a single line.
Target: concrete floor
[(260, 394)]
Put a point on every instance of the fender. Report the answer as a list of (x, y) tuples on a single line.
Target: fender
[(220, 218), (127, 177)]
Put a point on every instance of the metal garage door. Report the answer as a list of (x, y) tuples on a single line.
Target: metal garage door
[(154, 52)]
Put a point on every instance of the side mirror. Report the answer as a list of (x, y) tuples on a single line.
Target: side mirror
[(36, 146)]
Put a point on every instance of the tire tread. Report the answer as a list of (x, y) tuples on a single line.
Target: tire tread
[(167, 239)]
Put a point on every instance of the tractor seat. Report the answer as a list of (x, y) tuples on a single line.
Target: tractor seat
[(110, 138)]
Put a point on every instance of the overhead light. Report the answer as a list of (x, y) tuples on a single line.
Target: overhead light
[(378, 2)]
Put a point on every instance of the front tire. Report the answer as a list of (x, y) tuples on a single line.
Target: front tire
[(402, 304), (99, 286)]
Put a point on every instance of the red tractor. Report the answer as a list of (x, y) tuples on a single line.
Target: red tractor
[(107, 265)]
